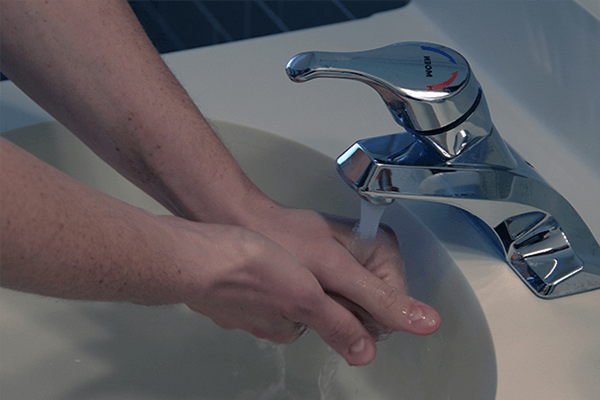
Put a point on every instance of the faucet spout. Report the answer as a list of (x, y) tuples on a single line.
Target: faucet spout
[(451, 153), (540, 234)]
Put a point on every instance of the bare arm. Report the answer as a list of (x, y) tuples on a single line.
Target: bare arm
[(63, 239), (92, 67)]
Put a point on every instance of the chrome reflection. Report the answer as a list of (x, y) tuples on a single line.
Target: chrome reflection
[(451, 153)]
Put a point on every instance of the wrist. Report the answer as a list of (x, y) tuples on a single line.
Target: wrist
[(241, 203)]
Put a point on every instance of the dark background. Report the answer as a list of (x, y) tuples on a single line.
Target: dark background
[(180, 25)]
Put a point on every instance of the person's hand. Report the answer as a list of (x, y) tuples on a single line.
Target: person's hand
[(243, 280), (367, 278)]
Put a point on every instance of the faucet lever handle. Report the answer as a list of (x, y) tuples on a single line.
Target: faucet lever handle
[(428, 88)]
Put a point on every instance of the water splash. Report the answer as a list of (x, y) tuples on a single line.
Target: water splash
[(327, 374), (365, 233), (326, 384), (275, 390)]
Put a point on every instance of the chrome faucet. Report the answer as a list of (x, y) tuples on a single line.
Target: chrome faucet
[(451, 153)]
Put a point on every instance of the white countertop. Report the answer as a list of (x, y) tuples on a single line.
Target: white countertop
[(545, 349)]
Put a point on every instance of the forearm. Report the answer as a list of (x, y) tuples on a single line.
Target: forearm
[(92, 67), (61, 238)]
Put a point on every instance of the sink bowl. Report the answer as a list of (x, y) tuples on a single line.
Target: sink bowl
[(60, 349)]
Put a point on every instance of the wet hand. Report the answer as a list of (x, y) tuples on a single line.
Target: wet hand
[(367, 278), (243, 280)]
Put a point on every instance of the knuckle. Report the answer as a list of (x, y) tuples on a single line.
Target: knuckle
[(342, 331), (249, 246), (388, 297), (305, 308)]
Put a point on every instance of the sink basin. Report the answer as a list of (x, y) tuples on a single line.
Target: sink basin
[(60, 349)]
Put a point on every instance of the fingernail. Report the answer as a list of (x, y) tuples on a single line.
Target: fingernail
[(424, 318), (358, 346)]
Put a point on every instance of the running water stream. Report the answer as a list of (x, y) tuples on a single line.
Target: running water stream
[(370, 216), (365, 232)]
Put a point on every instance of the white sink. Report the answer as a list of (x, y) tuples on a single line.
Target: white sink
[(532, 59), (59, 349)]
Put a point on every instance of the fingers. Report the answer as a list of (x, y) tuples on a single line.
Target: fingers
[(382, 258), (373, 278), (272, 300), (341, 330), (376, 329), (385, 303), (380, 255), (307, 307), (258, 321)]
